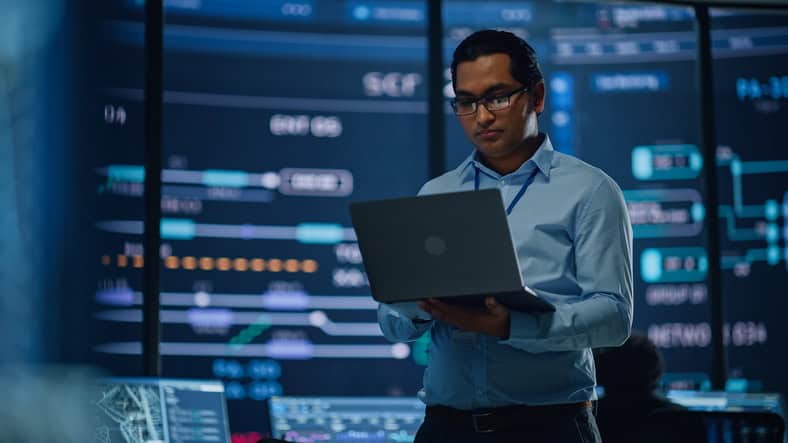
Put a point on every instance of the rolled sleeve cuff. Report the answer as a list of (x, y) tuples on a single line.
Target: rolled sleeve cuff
[(523, 328)]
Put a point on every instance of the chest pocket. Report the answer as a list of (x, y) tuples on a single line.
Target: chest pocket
[(459, 336)]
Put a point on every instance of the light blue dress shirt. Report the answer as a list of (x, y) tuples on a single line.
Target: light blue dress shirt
[(573, 239)]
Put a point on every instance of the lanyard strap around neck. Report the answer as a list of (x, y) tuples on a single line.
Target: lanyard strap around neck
[(520, 193)]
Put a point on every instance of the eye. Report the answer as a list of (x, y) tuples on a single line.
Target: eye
[(464, 105), (500, 100)]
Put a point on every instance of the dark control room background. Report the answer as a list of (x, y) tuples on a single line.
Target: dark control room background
[(278, 114)]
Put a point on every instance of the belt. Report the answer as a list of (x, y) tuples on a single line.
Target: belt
[(505, 417)]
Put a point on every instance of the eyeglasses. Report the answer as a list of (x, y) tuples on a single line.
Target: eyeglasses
[(468, 106)]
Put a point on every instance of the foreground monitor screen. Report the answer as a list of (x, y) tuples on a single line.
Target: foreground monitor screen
[(330, 419), (152, 410), (728, 401), (736, 416)]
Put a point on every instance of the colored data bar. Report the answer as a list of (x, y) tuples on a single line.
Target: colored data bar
[(671, 265), (278, 349), (227, 179), (278, 103), (312, 46), (666, 162), (289, 181), (175, 229), (271, 300), (186, 229), (225, 318), (279, 10)]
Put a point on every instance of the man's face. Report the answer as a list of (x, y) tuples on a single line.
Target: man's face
[(495, 133)]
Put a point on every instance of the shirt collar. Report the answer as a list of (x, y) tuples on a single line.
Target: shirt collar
[(542, 158)]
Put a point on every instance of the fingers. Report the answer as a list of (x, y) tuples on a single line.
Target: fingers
[(492, 321), (494, 307), (435, 308), (444, 312)]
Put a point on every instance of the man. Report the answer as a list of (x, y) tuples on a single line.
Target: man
[(500, 375)]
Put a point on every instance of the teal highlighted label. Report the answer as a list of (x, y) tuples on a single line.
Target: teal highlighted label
[(696, 161), (642, 163), (651, 265), (225, 179), (673, 265), (698, 212), (773, 255), (126, 173), (703, 264), (666, 162), (736, 167), (771, 210), (176, 229), (320, 233), (772, 233)]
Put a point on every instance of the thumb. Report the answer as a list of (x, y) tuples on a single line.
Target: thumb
[(493, 306)]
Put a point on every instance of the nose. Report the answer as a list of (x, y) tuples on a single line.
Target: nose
[(483, 116)]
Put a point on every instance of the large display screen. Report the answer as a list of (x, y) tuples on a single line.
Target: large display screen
[(277, 115), (751, 103)]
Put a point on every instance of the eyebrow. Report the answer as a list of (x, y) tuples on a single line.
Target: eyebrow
[(494, 88)]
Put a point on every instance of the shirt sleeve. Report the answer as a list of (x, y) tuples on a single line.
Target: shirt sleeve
[(399, 328), (602, 314)]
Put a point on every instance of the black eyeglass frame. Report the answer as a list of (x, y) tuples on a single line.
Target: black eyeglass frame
[(486, 101)]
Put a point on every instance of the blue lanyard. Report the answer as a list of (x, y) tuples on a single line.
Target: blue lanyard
[(520, 193)]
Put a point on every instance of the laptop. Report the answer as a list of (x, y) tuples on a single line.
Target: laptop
[(159, 410), (455, 247)]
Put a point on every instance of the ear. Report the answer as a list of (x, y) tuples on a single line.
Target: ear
[(538, 97)]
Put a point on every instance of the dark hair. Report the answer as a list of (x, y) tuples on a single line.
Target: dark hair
[(635, 366), (524, 66)]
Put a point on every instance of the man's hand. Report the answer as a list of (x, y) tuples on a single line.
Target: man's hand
[(494, 320)]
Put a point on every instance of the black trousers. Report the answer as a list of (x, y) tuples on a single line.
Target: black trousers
[(578, 426)]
